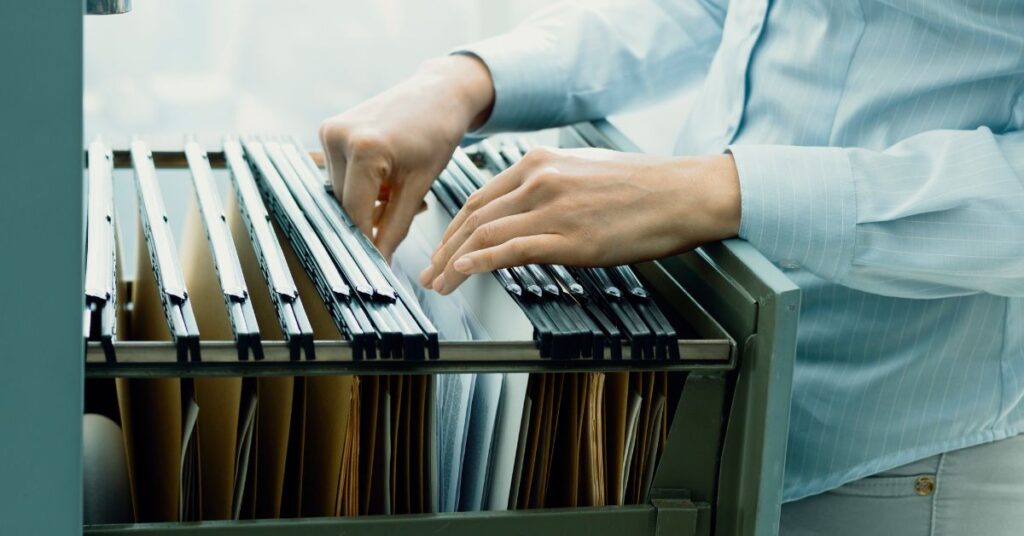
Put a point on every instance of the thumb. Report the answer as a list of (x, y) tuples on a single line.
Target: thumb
[(405, 203), (363, 179)]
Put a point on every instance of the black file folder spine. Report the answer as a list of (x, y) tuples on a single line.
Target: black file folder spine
[(225, 259), (291, 314), (337, 220), (315, 259), (331, 240), (101, 252), (398, 338), (160, 242), (618, 294), (407, 311)]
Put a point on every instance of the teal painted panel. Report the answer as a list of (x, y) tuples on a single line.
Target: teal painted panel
[(41, 235)]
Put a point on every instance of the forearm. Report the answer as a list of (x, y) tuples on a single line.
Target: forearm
[(466, 80), (585, 60), (939, 214)]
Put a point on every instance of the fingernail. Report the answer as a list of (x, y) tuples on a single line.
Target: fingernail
[(426, 277), (463, 264), (439, 284)]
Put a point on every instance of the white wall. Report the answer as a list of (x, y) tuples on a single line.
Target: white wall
[(173, 68), (211, 67)]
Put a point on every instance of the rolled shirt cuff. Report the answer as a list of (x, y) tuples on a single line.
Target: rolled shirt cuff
[(798, 206), (529, 84)]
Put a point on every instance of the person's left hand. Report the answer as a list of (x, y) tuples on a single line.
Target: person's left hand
[(588, 207)]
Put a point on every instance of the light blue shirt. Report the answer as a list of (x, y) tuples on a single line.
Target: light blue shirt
[(881, 165)]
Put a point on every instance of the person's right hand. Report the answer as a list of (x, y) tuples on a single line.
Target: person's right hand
[(383, 154)]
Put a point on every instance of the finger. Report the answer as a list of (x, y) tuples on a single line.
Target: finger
[(501, 184), (423, 207), (334, 159), (486, 236), (533, 249), (397, 216), (362, 182), (507, 205)]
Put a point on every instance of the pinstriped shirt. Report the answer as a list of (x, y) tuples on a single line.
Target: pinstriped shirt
[(881, 165)]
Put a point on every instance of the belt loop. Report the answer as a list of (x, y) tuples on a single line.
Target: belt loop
[(935, 494)]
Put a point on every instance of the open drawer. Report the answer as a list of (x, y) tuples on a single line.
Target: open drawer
[(720, 467)]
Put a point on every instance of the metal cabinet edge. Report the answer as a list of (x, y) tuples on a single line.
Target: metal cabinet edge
[(759, 307)]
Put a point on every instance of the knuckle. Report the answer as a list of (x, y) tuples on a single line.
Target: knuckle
[(486, 235), (545, 180), (472, 202), (538, 156), (333, 131), (366, 142), (521, 251), (486, 259), (472, 221), (324, 131)]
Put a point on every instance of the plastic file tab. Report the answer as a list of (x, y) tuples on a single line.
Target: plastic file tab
[(311, 252), (339, 221), (100, 321), (291, 314), (318, 223), (181, 321), (225, 258), (418, 332)]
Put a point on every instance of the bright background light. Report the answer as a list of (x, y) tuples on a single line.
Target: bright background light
[(176, 68)]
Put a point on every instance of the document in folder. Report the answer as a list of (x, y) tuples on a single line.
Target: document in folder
[(275, 394), (616, 408), (479, 438), (594, 476), (454, 393), (507, 425), (150, 411), (220, 398)]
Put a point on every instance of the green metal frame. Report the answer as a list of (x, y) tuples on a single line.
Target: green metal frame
[(41, 236), (759, 307)]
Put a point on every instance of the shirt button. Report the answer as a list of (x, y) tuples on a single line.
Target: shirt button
[(924, 485)]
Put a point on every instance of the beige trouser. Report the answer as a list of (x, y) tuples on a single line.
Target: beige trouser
[(972, 491)]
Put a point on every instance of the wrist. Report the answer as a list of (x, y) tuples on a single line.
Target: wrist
[(709, 209), (466, 80), (723, 187)]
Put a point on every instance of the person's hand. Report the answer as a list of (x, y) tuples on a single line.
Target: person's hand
[(383, 154), (588, 207)]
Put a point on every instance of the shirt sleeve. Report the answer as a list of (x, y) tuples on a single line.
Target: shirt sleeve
[(939, 214), (588, 59)]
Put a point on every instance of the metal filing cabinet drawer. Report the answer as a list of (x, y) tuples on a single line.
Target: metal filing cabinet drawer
[(721, 472)]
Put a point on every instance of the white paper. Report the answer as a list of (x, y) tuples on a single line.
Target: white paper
[(652, 447), (186, 480), (244, 448), (506, 440), (453, 414), (453, 394), (632, 424), (517, 473), (479, 441)]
